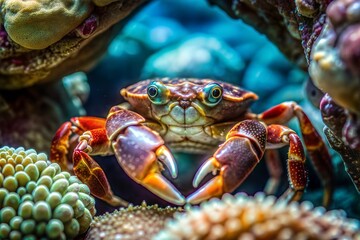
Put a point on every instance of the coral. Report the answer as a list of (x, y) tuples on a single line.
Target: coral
[(31, 24), (38, 200), (49, 54), (259, 217), (133, 222), (335, 56)]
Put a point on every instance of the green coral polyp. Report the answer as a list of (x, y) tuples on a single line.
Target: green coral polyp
[(37, 200)]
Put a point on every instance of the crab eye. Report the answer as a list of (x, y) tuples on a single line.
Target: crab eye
[(157, 93), (213, 94), (152, 91)]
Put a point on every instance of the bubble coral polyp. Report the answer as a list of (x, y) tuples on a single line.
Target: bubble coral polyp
[(259, 217), (37, 200)]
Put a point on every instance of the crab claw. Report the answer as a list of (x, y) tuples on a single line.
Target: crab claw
[(158, 184), (215, 187), (232, 162), (142, 155), (165, 156)]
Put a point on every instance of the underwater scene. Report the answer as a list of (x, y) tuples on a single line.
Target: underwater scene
[(171, 120)]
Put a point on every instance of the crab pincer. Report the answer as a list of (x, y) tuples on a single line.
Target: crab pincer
[(141, 153), (232, 162)]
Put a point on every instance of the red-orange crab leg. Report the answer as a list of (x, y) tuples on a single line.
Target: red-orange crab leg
[(94, 142), (62, 139), (90, 134), (278, 136), (314, 144), (234, 160), (141, 152)]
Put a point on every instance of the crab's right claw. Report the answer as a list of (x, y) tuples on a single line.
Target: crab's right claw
[(213, 188), (141, 153), (234, 161)]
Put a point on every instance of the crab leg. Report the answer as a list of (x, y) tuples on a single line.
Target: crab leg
[(233, 161), (279, 135), (314, 144), (90, 134), (94, 142), (141, 153), (62, 139)]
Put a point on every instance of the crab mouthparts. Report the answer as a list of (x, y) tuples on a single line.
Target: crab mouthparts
[(186, 115)]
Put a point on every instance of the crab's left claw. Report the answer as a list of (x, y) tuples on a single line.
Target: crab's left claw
[(233, 161), (142, 154)]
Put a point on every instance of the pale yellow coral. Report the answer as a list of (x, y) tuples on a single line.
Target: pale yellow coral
[(259, 218), (36, 24)]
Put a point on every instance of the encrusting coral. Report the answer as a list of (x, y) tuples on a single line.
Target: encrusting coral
[(259, 217), (42, 41), (335, 55), (133, 222), (35, 24), (23, 18), (37, 200)]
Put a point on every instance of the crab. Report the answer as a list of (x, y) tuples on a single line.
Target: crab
[(197, 116)]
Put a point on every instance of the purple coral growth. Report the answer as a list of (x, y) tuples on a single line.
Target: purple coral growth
[(87, 27)]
